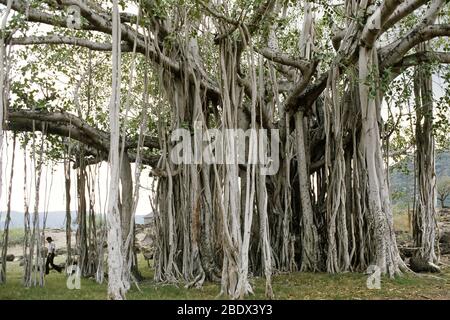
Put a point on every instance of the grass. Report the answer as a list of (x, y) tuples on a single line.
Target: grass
[(15, 237), (286, 286), (401, 222)]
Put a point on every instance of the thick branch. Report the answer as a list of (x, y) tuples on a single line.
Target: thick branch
[(284, 59), (55, 39), (67, 125), (393, 53), (376, 21), (35, 15), (422, 32), (402, 11), (62, 123), (421, 57), (295, 98)]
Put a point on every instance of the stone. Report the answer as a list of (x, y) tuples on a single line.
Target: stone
[(419, 265), (445, 237)]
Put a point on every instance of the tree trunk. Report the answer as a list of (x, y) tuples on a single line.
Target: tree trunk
[(127, 218), (7, 218), (67, 182), (386, 255), (3, 106), (117, 285), (424, 218), (81, 236), (27, 243), (310, 243)]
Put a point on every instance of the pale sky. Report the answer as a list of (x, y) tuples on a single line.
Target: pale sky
[(52, 187)]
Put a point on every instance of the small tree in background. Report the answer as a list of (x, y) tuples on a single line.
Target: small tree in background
[(443, 190)]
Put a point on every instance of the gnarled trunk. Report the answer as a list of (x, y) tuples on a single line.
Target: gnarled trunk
[(386, 255), (117, 285), (424, 217)]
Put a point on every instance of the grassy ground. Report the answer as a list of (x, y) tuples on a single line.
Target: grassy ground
[(288, 286), (401, 222), (15, 237)]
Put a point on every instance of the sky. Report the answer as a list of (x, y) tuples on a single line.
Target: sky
[(52, 186)]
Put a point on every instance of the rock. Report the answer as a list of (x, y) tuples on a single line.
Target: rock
[(406, 252), (445, 248), (445, 237), (419, 265), (444, 212), (145, 241), (148, 255), (61, 251)]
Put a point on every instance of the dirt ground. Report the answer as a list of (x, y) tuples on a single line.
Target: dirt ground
[(58, 236)]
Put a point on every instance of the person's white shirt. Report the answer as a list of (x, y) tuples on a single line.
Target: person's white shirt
[(51, 247)]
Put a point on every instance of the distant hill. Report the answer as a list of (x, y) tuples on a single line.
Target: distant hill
[(55, 219), (402, 178)]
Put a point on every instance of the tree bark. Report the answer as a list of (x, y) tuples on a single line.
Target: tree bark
[(7, 218), (424, 218), (386, 255), (309, 237), (117, 285)]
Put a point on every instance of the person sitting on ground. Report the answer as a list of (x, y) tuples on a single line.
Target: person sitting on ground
[(50, 256)]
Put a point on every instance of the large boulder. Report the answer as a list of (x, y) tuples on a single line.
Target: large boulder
[(419, 265), (61, 251), (444, 242), (145, 241), (444, 248), (445, 237), (407, 252)]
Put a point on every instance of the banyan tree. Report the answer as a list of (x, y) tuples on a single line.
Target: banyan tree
[(261, 121)]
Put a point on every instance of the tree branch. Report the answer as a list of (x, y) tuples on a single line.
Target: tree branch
[(67, 125), (35, 15), (55, 39), (393, 53), (402, 11), (295, 98), (279, 57), (421, 57), (376, 21), (423, 31)]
